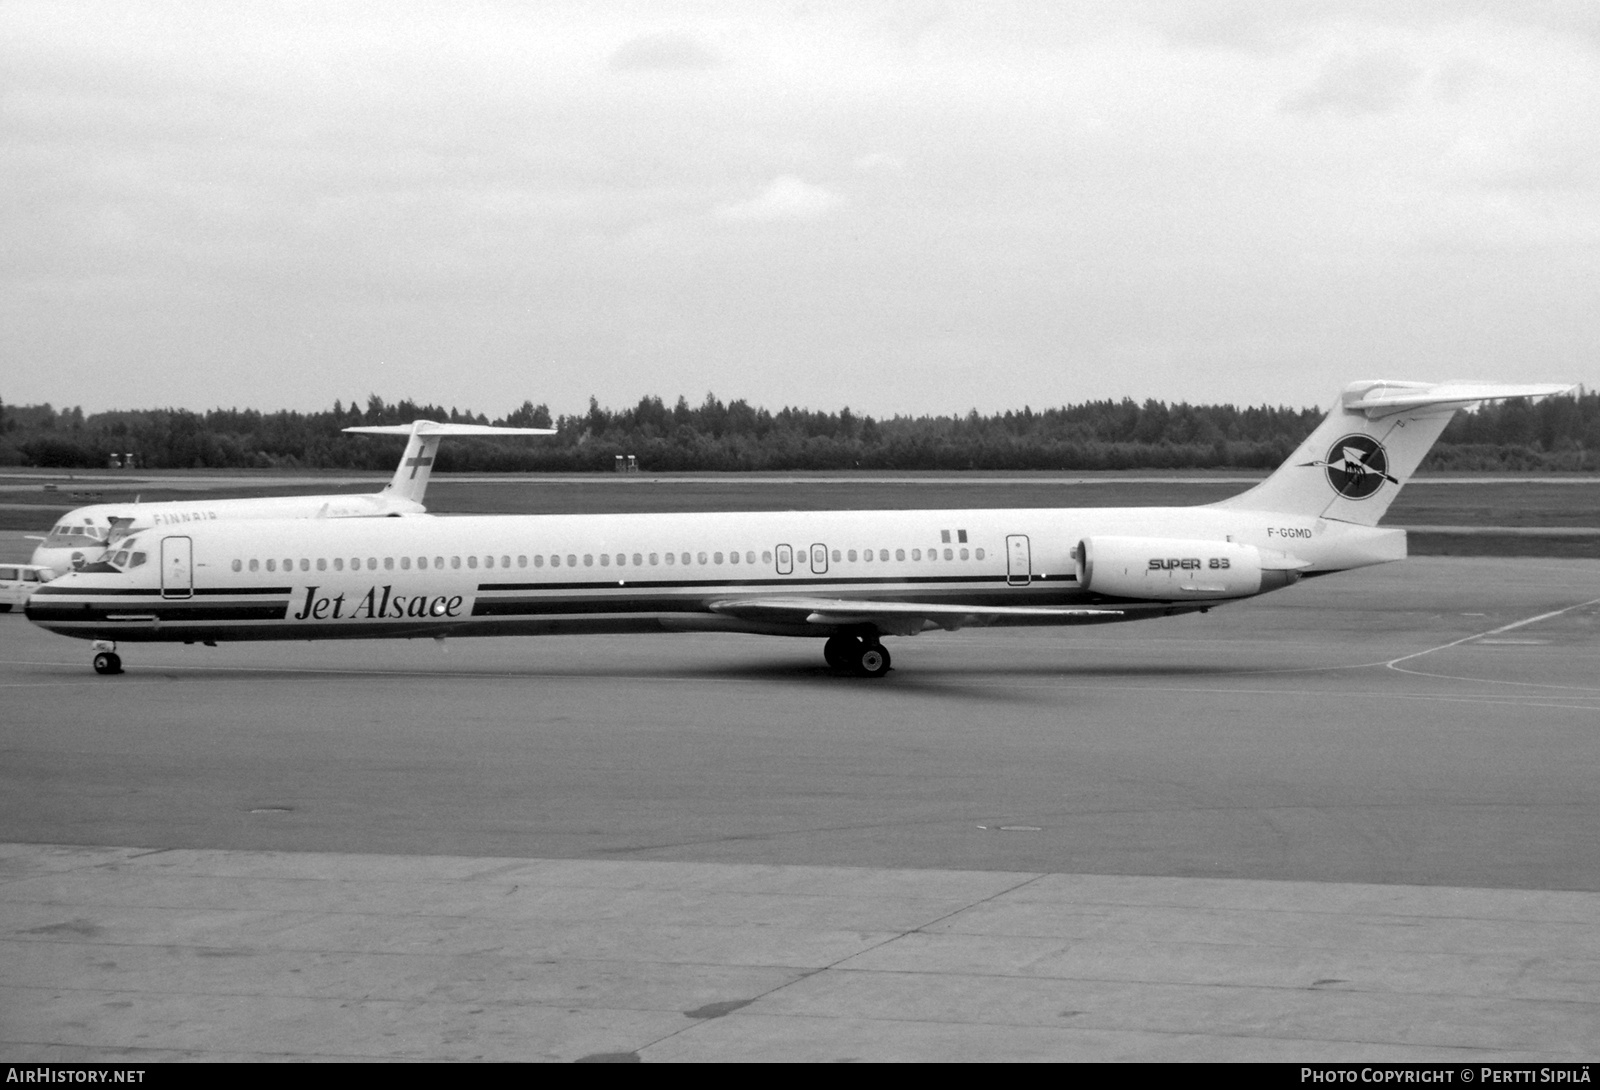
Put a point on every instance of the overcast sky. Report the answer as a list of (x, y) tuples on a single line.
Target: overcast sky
[(900, 207)]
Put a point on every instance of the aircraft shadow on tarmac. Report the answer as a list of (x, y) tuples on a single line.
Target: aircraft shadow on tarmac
[(987, 681)]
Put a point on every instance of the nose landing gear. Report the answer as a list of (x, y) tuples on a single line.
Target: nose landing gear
[(106, 659), (866, 657)]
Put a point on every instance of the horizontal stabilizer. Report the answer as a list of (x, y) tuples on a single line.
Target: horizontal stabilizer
[(411, 478), (1352, 466), (899, 617), (1379, 399), (432, 427)]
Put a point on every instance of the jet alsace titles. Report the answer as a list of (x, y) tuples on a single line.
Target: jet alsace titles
[(81, 535), (849, 577)]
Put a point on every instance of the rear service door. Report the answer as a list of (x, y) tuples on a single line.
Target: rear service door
[(1018, 562), (177, 567)]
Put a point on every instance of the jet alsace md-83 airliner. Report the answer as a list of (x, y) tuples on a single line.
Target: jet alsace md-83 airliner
[(851, 577), (83, 533)]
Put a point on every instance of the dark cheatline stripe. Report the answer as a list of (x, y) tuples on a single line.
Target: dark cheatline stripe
[(791, 582), (524, 607), (617, 602), (162, 611), (98, 592), (244, 590), (153, 592)]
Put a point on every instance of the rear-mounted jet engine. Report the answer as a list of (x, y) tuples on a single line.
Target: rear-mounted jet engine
[(1169, 569)]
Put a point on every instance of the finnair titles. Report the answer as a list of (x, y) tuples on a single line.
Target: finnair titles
[(848, 578)]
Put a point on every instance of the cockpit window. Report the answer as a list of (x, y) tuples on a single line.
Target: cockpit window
[(124, 558), (72, 533)]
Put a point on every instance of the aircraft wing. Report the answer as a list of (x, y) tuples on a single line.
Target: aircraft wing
[(903, 618)]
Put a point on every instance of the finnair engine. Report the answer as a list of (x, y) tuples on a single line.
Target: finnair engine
[(1168, 569)]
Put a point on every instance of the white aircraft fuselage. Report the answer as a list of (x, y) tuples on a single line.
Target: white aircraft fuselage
[(852, 577), (545, 574), (82, 535)]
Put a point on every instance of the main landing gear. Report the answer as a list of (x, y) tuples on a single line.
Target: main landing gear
[(866, 657), (106, 659)]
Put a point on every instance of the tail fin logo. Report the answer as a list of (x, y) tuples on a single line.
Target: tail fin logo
[(1357, 466)]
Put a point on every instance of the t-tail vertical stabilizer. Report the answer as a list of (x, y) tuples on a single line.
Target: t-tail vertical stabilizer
[(1355, 463), (410, 480)]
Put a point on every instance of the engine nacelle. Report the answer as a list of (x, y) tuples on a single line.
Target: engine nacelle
[(1169, 569)]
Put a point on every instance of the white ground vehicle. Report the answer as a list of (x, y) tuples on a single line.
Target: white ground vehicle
[(18, 581)]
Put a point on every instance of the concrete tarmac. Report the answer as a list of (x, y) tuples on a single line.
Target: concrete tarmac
[(1351, 820)]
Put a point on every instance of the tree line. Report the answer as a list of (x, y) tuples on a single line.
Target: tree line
[(1555, 434)]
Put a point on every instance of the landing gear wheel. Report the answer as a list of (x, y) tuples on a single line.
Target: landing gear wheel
[(108, 662), (872, 660), (841, 652)]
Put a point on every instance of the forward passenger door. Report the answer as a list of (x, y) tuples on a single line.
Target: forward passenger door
[(177, 567)]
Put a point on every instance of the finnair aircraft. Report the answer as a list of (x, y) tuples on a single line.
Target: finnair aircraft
[(849, 577), (82, 534)]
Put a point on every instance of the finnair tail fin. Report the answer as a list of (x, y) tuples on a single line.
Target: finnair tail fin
[(1354, 464), (410, 480)]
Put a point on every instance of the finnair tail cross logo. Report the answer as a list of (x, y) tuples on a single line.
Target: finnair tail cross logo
[(1357, 466), (417, 463)]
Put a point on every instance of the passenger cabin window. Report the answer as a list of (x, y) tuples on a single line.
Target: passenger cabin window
[(238, 565)]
